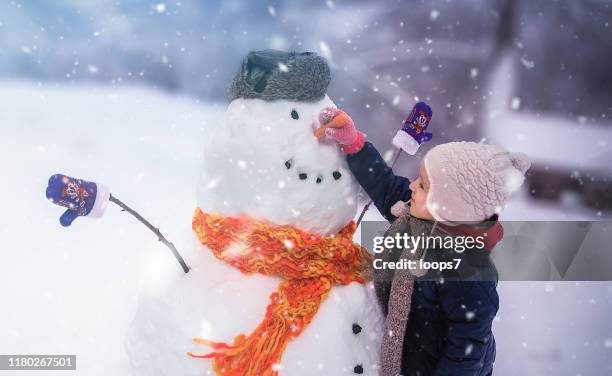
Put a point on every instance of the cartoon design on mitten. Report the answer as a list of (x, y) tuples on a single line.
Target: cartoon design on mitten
[(80, 197), (412, 134)]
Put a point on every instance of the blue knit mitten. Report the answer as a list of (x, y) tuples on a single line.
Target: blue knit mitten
[(81, 197), (413, 134)]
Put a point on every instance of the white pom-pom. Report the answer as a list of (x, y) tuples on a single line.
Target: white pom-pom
[(513, 179), (520, 161)]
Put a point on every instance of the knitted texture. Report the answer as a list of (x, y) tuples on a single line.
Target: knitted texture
[(309, 266), (394, 288), (272, 75), (347, 136), (394, 291), (470, 182), (355, 146)]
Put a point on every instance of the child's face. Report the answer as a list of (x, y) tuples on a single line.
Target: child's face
[(418, 200)]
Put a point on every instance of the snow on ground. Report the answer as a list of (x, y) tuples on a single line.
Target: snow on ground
[(74, 290)]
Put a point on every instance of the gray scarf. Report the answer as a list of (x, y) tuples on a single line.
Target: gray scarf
[(398, 286)]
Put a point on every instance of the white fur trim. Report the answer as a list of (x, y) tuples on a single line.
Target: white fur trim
[(102, 197), (405, 142)]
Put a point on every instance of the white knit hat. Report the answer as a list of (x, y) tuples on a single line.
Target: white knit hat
[(469, 182)]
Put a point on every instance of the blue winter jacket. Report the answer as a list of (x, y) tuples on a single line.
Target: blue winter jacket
[(449, 327)]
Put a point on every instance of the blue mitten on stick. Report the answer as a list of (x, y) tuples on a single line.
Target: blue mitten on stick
[(81, 197), (413, 134)]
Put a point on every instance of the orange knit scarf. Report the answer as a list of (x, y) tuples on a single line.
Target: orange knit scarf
[(309, 265)]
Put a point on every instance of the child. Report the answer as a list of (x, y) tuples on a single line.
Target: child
[(438, 325)]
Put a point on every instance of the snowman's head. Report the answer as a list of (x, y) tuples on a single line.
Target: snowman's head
[(264, 161)]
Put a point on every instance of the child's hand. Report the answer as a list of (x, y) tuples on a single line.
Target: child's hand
[(338, 126)]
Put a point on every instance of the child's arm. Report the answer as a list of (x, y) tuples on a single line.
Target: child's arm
[(378, 180), (366, 164), (469, 308)]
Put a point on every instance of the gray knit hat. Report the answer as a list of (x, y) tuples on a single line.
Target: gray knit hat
[(469, 182), (272, 74)]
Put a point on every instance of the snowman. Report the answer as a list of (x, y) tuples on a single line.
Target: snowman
[(277, 286)]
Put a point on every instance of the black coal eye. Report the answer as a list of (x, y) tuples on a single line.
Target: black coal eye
[(294, 114)]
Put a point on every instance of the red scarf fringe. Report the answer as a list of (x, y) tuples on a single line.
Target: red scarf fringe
[(309, 265)]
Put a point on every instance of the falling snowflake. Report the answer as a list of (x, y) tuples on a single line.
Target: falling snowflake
[(139, 177), (325, 50), (211, 184), (388, 155), (288, 244), (529, 64), (277, 367), (205, 329), (160, 8), (278, 42), (468, 349)]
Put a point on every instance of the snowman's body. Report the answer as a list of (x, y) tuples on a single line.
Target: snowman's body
[(264, 162)]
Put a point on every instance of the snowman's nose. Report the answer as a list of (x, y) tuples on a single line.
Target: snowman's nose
[(315, 125), (337, 121)]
